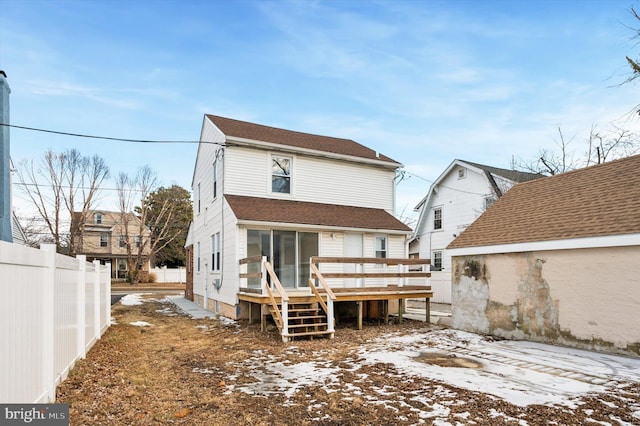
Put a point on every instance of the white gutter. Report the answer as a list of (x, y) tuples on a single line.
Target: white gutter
[(289, 148), (568, 244), (298, 226)]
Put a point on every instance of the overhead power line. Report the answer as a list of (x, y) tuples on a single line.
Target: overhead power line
[(80, 135)]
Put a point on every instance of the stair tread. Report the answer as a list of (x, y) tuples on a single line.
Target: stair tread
[(319, 324), (310, 333)]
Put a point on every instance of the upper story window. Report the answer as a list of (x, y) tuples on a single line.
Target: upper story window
[(381, 246), (437, 218), (281, 175), (98, 218), (462, 173), (488, 201), (138, 240), (198, 196), (122, 241), (215, 179), (104, 239)]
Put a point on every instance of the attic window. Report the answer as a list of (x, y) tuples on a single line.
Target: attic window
[(98, 217), (462, 173), (281, 175)]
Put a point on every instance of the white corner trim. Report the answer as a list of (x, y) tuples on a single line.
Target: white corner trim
[(574, 243)]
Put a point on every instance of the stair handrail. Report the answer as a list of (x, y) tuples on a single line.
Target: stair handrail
[(283, 314), (318, 296), (331, 297)]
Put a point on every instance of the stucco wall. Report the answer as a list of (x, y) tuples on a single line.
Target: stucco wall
[(587, 298)]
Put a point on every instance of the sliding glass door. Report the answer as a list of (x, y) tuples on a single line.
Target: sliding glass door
[(288, 252)]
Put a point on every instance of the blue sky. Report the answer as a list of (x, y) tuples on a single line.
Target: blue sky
[(423, 82)]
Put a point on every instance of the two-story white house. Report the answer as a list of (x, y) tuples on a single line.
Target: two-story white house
[(455, 199), (286, 196)]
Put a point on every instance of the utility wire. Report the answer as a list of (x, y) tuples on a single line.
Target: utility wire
[(80, 135)]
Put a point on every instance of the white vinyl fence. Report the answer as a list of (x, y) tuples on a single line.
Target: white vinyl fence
[(55, 307), (169, 275)]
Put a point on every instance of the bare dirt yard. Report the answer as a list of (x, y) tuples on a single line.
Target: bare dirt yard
[(156, 365)]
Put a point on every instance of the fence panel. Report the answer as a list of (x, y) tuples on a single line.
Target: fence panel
[(170, 275), (43, 322)]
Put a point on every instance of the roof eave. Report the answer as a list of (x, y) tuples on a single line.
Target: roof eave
[(308, 226), (280, 147), (622, 240)]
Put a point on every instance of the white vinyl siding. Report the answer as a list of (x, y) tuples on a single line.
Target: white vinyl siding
[(314, 179)]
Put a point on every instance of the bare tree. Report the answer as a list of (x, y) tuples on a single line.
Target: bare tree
[(63, 190), (610, 144), (145, 232), (548, 161)]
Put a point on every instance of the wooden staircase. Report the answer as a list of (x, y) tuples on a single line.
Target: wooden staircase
[(305, 320)]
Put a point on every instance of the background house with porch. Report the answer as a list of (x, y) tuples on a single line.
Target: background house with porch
[(103, 237), (556, 260), (286, 196), (455, 199)]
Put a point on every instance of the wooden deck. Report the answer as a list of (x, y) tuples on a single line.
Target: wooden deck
[(318, 299)]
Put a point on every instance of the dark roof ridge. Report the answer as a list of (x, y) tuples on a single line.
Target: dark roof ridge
[(264, 133)]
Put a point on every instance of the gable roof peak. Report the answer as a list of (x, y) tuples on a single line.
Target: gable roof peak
[(262, 133)]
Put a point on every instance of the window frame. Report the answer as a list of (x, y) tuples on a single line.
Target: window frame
[(435, 260), (198, 256), (214, 182), (289, 177), (381, 251), (104, 239), (437, 219), (216, 252)]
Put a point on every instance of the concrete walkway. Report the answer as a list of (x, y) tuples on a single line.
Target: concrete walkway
[(190, 308)]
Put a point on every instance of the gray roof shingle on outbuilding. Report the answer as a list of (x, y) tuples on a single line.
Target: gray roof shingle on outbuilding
[(307, 213), (596, 201)]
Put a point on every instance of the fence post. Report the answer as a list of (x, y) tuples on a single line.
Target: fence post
[(107, 296), (48, 322), (81, 311), (96, 298)]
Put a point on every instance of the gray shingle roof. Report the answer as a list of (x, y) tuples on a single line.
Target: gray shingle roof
[(259, 132), (300, 212), (601, 200)]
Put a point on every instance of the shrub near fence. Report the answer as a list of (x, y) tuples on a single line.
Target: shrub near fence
[(55, 308)]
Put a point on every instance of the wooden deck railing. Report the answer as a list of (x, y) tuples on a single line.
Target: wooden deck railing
[(402, 265), (281, 314)]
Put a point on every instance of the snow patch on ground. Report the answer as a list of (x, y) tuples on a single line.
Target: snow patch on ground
[(140, 324), (132, 299)]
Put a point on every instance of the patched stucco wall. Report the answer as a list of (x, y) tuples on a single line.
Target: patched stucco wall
[(588, 298)]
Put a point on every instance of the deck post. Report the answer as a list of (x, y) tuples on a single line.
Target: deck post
[(359, 315), (285, 321), (330, 317), (428, 309), (400, 310)]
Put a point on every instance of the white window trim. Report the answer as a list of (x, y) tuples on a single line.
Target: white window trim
[(377, 238), (433, 220), (215, 179), (292, 160)]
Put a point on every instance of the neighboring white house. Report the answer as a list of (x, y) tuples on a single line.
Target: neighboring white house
[(286, 195), (556, 260), (455, 199)]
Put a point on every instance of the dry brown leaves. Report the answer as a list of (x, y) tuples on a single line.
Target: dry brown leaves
[(188, 372)]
